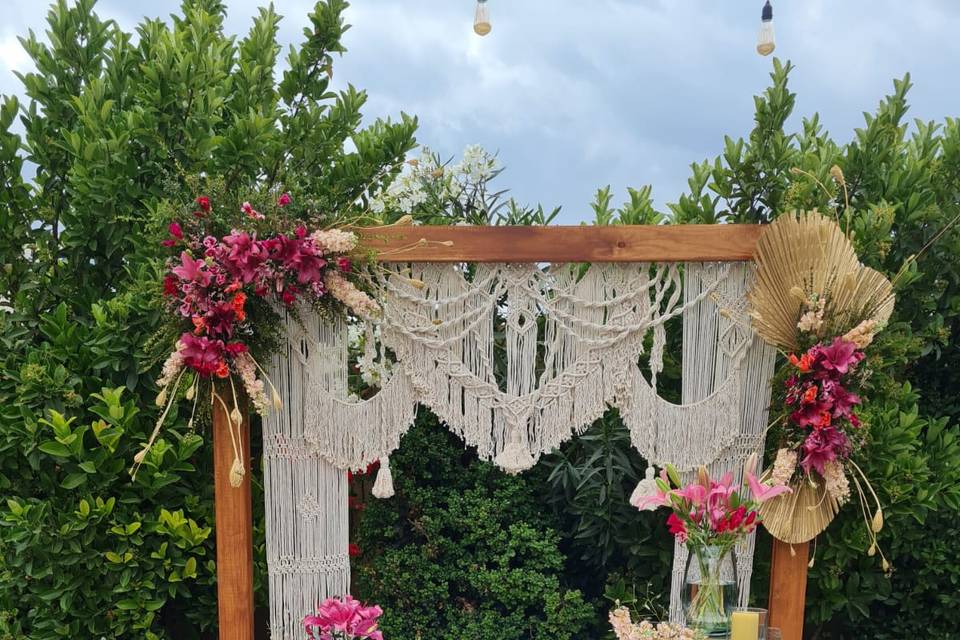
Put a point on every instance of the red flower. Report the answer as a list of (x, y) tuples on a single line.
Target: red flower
[(343, 264), (223, 370), (169, 285), (220, 319), (289, 296), (804, 363), (204, 203), (175, 230), (283, 200), (353, 550), (677, 527), (236, 348)]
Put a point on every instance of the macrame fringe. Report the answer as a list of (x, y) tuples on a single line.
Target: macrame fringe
[(515, 458)]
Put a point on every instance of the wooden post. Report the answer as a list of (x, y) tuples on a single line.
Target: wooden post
[(788, 588), (234, 531)]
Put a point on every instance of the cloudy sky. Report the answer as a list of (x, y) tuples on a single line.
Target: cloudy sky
[(575, 95)]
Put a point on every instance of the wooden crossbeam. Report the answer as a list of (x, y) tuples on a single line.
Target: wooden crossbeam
[(652, 243)]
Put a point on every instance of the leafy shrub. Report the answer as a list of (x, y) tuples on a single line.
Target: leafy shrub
[(116, 128), (86, 552), (902, 186), (463, 551)]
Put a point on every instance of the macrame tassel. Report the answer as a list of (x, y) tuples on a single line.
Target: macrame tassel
[(515, 458), (383, 487), (646, 487)]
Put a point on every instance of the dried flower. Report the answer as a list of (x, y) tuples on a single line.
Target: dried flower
[(784, 466), (335, 240), (835, 481)]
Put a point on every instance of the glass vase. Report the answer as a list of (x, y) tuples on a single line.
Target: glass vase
[(710, 589)]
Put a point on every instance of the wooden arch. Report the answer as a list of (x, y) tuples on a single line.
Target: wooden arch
[(686, 243)]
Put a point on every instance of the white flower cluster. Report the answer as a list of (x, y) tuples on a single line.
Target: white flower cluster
[(171, 368), (373, 373), (476, 164), (783, 467), (256, 391), (862, 334), (408, 189), (347, 293)]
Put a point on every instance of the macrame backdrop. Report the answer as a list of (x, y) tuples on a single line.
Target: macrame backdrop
[(573, 337), (306, 497)]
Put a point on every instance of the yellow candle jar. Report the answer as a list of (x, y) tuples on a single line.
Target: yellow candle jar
[(745, 625)]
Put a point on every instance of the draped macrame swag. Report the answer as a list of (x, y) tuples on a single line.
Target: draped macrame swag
[(573, 338)]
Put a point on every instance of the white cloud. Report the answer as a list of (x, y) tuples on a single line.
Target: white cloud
[(12, 55), (575, 95)]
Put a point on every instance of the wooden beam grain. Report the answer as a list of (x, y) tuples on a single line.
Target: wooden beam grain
[(644, 243), (234, 531), (788, 588)]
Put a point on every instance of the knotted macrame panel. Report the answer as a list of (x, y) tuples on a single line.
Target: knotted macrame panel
[(718, 342), (518, 358), (306, 497)]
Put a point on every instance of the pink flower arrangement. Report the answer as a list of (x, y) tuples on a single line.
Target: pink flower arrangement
[(710, 511), (820, 407), (213, 277), (345, 619)]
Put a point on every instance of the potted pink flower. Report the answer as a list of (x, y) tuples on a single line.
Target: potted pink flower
[(345, 619)]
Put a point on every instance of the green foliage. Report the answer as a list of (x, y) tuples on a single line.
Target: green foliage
[(86, 552), (899, 191), (116, 128), (463, 552), (588, 485)]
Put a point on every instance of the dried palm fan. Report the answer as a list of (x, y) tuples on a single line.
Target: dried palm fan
[(799, 516), (807, 257)]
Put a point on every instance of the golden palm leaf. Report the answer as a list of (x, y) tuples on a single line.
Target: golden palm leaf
[(800, 516), (807, 256)]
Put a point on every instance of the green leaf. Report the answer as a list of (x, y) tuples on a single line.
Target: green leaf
[(73, 480), (55, 449)]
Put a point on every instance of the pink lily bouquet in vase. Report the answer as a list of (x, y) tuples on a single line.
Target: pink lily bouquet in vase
[(710, 516), (345, 619)]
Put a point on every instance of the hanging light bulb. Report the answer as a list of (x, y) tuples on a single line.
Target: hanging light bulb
[(765, 39), (481, 19)]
